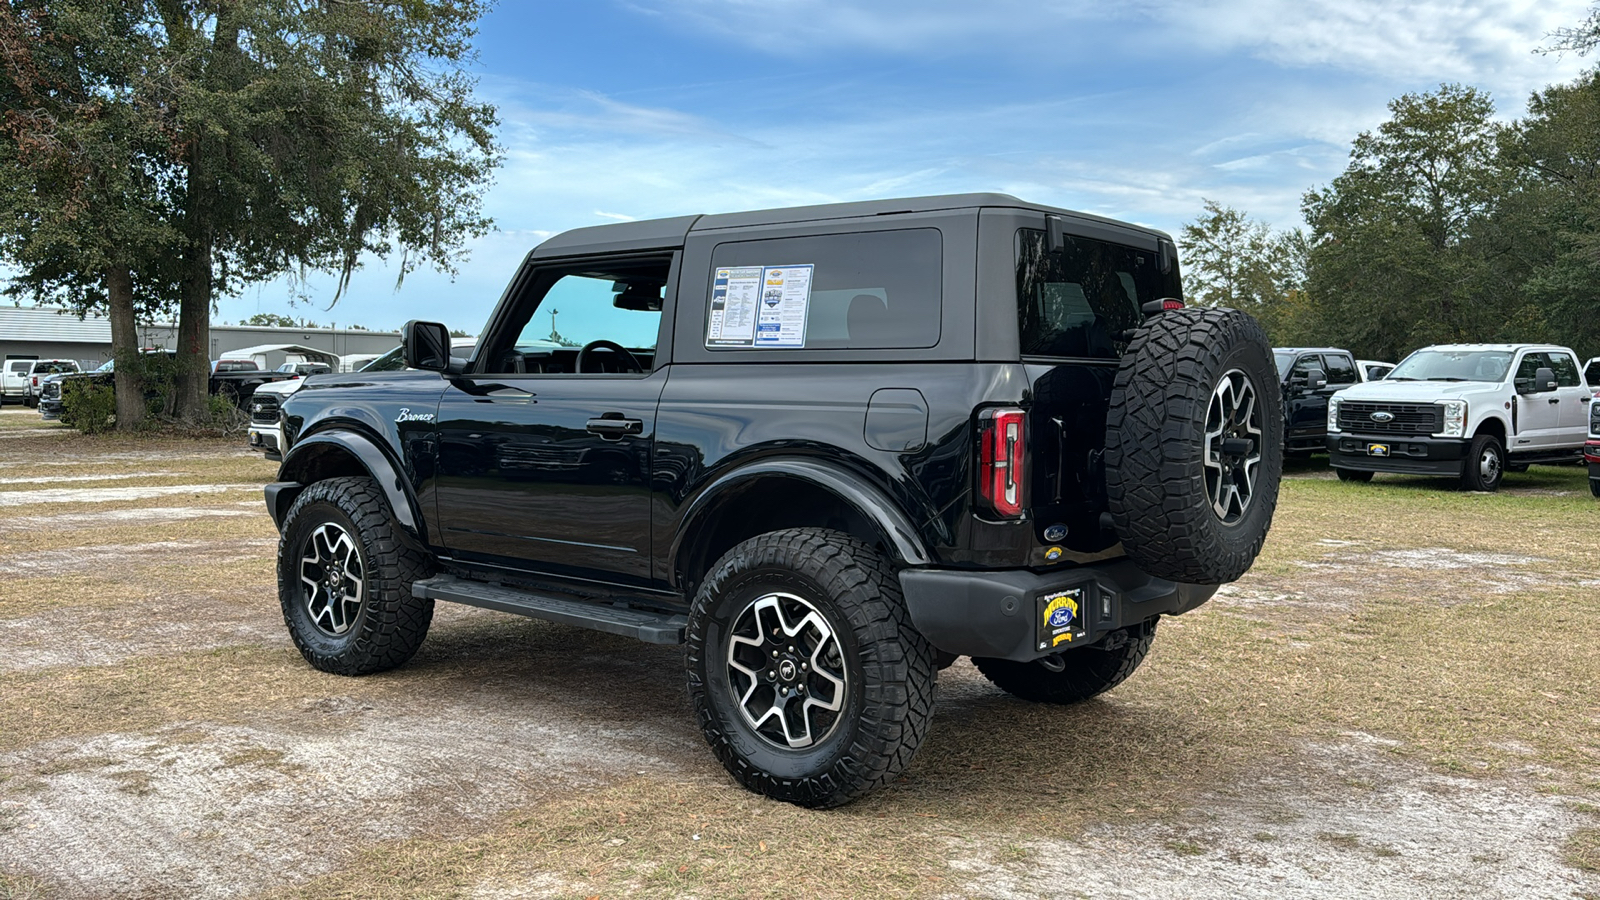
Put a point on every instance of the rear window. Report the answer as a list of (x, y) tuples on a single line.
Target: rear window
[(1084, 300), (876, 290)]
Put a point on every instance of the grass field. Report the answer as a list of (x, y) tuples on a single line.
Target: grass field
[(1399, 700)]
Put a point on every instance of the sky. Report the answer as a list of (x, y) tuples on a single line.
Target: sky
[(614, 110)]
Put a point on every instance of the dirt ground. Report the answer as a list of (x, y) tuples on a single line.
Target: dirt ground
[(1398, 701)]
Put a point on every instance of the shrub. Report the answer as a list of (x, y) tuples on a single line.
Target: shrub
[(90, 408)]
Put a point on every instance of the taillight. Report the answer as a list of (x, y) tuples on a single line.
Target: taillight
[(1002, 441)]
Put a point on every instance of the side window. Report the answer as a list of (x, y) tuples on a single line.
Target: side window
[(1302, 369), (588, 310), (1566, 369), (1341, 369), (877, 290), (1591, 374), (1531, 363), (19, 367)]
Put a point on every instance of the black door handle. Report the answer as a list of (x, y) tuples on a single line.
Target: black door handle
[(613, 426), (1555, 399)]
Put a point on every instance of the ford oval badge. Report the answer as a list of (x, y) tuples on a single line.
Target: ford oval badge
[(1055, 533), (1381, 416)]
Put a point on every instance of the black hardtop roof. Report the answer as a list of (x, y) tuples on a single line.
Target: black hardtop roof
[(658, 233)]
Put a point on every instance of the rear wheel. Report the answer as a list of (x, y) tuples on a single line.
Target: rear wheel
[(1594, 486), (1076, 675), (344, 580), (1485, 464), (1353, 475), (807, 677)]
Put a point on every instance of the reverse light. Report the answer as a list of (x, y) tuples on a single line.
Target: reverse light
[(1002, 444), (1455, 418), (1333, 413)]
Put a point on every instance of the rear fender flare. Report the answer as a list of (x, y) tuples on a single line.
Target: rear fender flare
[(898, 531), (314, 453)]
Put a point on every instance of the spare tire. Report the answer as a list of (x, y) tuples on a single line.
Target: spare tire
[(1194, 445)]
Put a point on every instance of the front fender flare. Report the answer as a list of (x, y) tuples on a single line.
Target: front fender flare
[(898, 530), (301, 464)]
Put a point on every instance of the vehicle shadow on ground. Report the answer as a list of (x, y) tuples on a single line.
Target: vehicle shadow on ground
[(987, 754)]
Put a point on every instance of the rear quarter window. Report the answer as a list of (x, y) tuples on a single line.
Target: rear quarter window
[(877, 290)]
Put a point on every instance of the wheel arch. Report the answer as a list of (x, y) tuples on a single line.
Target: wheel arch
[(332, 454), (774, 494), (1492, 425)]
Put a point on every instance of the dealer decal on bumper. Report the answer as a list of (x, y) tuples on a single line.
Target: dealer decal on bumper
[(1060, 618)]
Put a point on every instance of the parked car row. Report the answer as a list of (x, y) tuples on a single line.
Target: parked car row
[(236, 380), (1472, 411)]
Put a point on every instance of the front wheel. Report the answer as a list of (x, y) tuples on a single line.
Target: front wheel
[(1353, 475), (344, 580), (1485, 464), (807, 677), (1594, 486), (1075, 675)]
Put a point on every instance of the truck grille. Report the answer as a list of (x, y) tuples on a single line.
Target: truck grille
[(264, 409), (1408, 418)]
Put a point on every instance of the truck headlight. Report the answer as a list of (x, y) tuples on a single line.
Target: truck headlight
[(1455, 418), (1333, 413)]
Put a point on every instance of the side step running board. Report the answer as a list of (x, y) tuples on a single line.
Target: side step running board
[(646, 625)]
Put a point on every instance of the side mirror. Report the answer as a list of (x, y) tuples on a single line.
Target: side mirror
[(1544, 379), (427, 345), (1316, 380)]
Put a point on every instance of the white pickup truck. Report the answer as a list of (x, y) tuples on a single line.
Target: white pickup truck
[(1466, 410)]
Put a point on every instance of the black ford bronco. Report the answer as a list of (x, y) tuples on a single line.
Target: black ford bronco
[(829, 449)]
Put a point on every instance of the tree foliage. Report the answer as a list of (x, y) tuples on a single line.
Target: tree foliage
[(233, 141)]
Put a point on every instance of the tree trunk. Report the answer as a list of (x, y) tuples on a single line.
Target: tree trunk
[(192, 387), (129, 375), (194, 334)]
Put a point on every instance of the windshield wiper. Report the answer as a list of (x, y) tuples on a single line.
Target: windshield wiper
[(1446, 378), (1400, 378)]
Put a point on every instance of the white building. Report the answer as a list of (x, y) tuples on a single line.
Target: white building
[(40, 332)]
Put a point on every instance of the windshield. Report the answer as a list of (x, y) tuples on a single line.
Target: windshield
[(107, 366), (1453, 365)]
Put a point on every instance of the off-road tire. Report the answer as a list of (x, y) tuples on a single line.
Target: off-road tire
[(1353, 475), (1594, 486), (1473, 478), (1156, 445), (1088, 670), (889, 667), (391, 624)]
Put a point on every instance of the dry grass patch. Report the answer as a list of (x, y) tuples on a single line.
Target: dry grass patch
[(656, 838), (141, 580)]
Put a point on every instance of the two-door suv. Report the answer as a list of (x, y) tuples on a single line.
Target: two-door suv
[(829, 449)]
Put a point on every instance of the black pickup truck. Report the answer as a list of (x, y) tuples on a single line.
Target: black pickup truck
[(829, 449)]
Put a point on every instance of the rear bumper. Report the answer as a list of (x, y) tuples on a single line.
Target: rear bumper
[(1007, 613), (1409, 454)]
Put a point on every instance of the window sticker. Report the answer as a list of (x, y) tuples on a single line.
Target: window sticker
[(759, 306)]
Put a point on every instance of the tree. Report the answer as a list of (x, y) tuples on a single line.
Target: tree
[(294, 136), (270, 320), (1556, 213), (1232, 260), (1580, 38), (1402, 253), (85, 172)]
